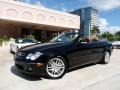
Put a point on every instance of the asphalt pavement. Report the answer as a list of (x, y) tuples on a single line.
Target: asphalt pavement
[(89, 77)]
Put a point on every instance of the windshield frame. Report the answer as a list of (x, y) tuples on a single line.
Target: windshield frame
[(55, 39)]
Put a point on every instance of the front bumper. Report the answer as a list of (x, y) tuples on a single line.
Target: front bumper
[(29, 68), (116, 46)]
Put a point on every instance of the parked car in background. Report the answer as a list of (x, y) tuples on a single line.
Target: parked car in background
[(116, 44), (64, 52), (21, 42)]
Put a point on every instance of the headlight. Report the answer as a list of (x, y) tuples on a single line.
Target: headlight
[(34, 56)]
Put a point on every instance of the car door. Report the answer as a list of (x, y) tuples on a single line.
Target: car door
[(98, 51), (83, 53)]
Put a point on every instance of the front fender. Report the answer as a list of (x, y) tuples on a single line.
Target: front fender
[(47, 56)]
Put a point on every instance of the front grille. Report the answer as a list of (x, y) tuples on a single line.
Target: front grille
[(20, 55)]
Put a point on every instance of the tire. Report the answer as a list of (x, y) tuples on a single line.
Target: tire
[(56, 67), (106, 57)]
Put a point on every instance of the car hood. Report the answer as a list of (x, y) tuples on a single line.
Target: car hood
[(41, 47), (24, 44)]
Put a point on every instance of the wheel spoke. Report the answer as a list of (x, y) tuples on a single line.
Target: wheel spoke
[(54, 73), (50, 67), (58, 71), (61, 67), (56, 61), (52, 63)]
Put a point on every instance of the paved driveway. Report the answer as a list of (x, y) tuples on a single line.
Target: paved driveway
[(90, 77)]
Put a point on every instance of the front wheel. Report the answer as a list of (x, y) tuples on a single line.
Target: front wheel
[(106, 58), (56, 67)]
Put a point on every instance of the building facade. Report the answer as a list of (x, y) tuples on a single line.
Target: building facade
[(89, 18), (18, 19)]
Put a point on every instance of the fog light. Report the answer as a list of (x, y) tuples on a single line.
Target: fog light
[(40, 65)]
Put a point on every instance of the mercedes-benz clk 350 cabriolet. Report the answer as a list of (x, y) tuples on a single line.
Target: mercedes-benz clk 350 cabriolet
[(64, 52)]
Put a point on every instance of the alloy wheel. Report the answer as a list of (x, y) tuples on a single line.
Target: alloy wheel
[(55, 67)]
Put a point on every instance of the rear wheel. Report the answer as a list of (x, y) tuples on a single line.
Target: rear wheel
[(56, 67), (106, 58)]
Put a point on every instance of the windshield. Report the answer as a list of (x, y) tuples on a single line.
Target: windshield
[(65, 37), (25, 41)]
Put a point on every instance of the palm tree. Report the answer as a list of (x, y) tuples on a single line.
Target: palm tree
[(117, 35), (95, 31), (108, 36)]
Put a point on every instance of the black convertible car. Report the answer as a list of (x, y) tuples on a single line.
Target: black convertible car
[(64, 52)]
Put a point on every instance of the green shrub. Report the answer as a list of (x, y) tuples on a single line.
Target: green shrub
[(5, 38), (1, 41)]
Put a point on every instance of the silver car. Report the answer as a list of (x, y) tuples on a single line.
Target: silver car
[(21, 42), (116, 44)]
